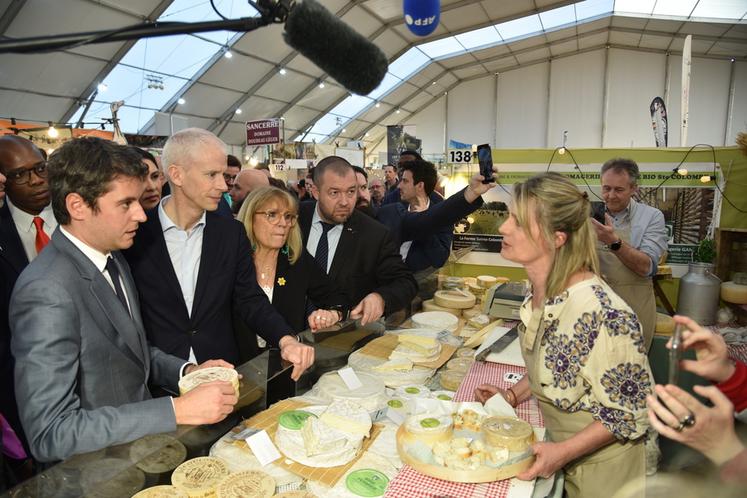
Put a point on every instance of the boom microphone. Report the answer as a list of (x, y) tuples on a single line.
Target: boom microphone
[(422, 16), (344, 54)]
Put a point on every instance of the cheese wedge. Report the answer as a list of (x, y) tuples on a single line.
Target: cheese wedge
[(424, 341), (395, 365), (348, 425)]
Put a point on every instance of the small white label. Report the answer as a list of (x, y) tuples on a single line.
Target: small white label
[(350, 378), (263, 448), (395, 416)]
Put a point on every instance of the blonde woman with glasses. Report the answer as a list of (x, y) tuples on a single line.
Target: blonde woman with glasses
[(285, 271), (582, 345)]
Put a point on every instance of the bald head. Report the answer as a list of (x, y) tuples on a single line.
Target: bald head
[(246, 181), (24, 167)]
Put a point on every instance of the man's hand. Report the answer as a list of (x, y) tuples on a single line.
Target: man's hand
[(476, 188), (605, 233), (301, 355), (370, 309), (321, 319), (207, 364), (205, 404), (549, 458)]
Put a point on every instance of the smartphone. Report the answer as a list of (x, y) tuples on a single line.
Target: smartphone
[(597, 211), (485, 158), (675, 355)]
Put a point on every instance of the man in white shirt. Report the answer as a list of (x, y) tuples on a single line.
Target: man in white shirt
[(82, 361)]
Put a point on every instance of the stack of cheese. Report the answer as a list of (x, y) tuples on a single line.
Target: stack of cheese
[(411, 349), (436, 320), (204, 375), (200, 476), (325, 436), (371, 395)]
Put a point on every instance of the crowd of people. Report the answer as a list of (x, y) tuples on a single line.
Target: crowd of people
[(122, 272)]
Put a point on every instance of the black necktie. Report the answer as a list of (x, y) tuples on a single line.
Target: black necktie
[(322, 248), (111, 267)]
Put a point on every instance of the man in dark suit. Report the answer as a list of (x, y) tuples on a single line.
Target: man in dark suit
[(194, 268), (356, 251), (82, 360)]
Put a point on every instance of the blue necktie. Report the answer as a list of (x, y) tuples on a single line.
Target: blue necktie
[(322, 248)]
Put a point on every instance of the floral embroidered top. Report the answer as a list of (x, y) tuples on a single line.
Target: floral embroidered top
[(591, 356)]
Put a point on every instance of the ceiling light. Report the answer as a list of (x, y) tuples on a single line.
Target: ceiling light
[(561, 151), (237, 111), (321, 84), (102, 87), (682, 171), (181, 101), (228, 54), (378, 105), (397, 111), (282, 71), (367, 134), (433, 83), (246, 157), (344, 130), (52, 131), (253, 161), (732, 59), (282, 118), (705, 178)]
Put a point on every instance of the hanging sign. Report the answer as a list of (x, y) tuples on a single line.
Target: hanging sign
[(263, 131)]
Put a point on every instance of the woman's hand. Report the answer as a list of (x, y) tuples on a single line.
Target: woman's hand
[(549, 458), (713, 361), (484, 392), (712, 428), (321, 319)]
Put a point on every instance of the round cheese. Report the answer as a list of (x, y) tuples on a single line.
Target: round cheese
[(430, 305), (472, 312), (111, 477), (443, 395), (158, 453), (457, 299), (437, 320), (451, 379), (460, 364), (508, 432), (200, 476), (246, 484), (734, 293), (161, 492), (371, 395), (486, 281), (204, 375), (430, 429), (296, 494), (412, 391), (453, 283), (664, 324)]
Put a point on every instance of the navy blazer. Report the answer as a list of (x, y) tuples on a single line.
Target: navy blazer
[(226, 284)]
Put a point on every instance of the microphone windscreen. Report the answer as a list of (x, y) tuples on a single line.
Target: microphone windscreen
[(422, 16), (344, 54)]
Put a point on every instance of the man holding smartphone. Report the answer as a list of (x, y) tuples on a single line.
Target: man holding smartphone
[(631, 242)]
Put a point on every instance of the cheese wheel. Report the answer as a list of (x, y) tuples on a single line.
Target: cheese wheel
[(472, 312), (430, 305), (430, 429), (508, 432), (460, 364), (451, 379), (296, 494), (157, 453), (664, 324), (436, 320), (246, 484), (486, 281), (161, 492), (204, 375), (734, 293), (200, 476), (457, 299)]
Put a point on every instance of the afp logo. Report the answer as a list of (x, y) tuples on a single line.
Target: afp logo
[(422, 16)]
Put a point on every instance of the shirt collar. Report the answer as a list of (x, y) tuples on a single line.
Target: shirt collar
[(97, 257), (25, 220), (167, 223)]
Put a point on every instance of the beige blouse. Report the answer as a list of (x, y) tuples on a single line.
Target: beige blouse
[(592, 356)]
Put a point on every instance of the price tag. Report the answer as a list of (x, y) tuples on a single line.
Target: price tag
[(263, 448), (350, 378), (460, 156)]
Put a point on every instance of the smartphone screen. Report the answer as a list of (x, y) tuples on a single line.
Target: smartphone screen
[(597, 211), (485, 158), (675, 355)]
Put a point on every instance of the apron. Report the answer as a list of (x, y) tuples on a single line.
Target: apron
[(600, 473), (634, 289)]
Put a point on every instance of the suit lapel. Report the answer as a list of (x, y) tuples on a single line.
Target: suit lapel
[(344, 246), (210, 243), (280, 290), (11, 248), (156, 250), (133, 300), (306, 215)]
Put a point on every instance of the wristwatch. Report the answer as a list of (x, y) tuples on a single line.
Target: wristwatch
[(616, 245)]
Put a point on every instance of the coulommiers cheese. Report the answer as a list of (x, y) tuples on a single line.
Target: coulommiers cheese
[(161, 492), (456, 298), (508, 432), (202, 376), (200, 476), (246, 484)]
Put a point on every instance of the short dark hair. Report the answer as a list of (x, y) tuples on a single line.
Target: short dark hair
[(233, 161), (389, 166), (620, 165), (86, 166), (336, 164), (301, 183), (144, 154), (411, 153), (422, 171), (278, 183), (362, 171)]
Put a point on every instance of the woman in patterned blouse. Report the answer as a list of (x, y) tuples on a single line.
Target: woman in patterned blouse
[(583, 346)]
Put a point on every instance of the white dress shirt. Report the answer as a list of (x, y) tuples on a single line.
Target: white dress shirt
[(315, 233), (25, 226), (404, 249)]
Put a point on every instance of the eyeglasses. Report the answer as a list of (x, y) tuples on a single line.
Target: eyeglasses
[(273, 217), (23, 176)]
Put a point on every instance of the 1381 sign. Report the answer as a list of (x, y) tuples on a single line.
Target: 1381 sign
[(460, 156)]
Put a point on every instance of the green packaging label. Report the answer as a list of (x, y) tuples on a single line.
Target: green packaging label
[(395, 403), (430, 423), (367, 483), (294, 419), (444, 397), (412, 390)]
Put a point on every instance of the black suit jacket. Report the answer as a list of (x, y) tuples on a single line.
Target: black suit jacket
[(226, 283), (13, 260), (366, 260)]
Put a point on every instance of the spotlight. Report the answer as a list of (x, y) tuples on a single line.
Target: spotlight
[(705, 179), (561, 151), (237, 111), (397, 111), (228, 54), (52, 131), (282, 71), (682, 171), (378, 105), (321, 84), (102, 87), (181, 101)]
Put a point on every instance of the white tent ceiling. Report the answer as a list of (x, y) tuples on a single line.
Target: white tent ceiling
[(474, 38)]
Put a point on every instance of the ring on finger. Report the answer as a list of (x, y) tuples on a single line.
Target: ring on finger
[(680, 427), (689, 420)]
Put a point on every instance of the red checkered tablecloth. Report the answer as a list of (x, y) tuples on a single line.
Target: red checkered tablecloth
[(409, 483)]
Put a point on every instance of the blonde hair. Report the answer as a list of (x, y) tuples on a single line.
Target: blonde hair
[(258, 199), (558, 206)]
